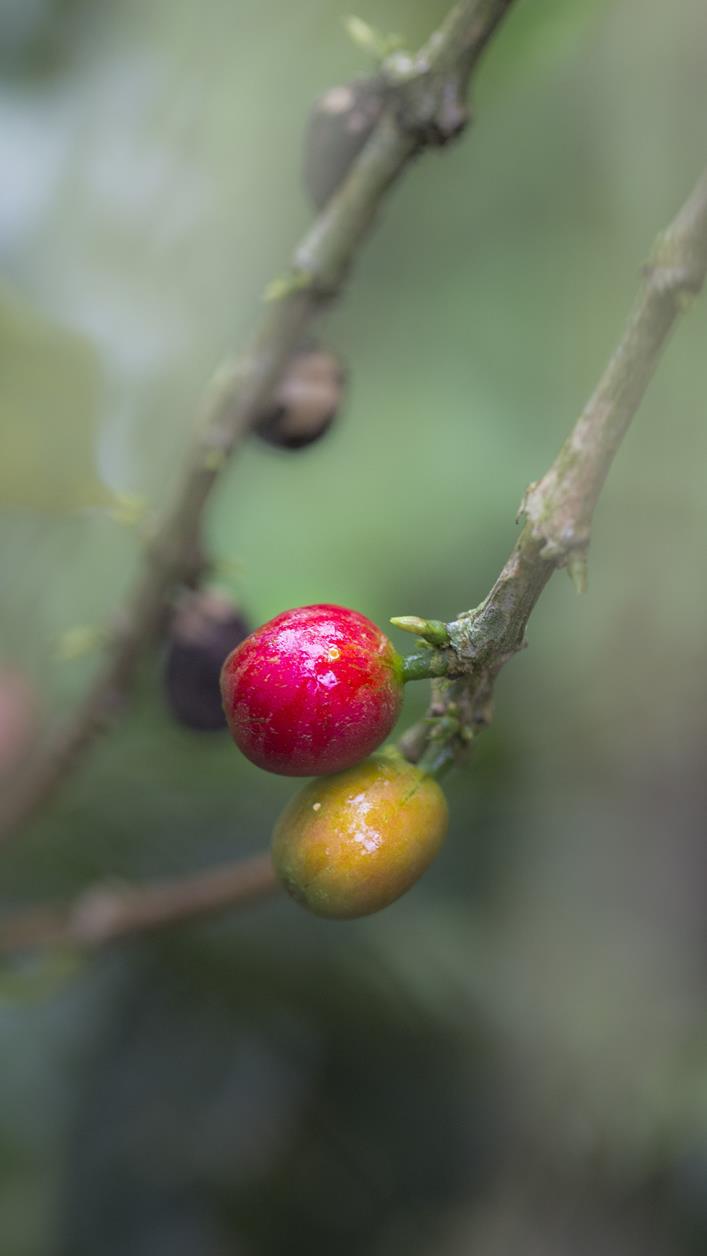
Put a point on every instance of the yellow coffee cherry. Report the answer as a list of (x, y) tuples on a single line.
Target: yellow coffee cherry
[(349, 844)]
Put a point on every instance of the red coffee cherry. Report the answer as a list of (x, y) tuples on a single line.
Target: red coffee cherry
[(313, 691), (350, 844)]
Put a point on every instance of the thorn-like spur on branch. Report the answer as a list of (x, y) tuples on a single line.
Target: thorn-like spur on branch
[(426, 95), (559, 508), (105, 913)]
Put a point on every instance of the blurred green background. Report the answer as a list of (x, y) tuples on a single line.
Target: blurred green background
[(513, 1059)]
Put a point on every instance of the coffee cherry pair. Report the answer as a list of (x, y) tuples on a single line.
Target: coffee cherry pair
[(315, 691)]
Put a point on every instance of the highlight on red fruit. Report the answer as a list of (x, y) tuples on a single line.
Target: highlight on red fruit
[(313, 691)]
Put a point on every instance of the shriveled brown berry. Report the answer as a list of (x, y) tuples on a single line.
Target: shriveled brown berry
[(205, 627), (306, 401), (340, 122)]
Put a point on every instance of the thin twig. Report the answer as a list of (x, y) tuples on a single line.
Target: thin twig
[(105, 913), (559, 508), (418, 114), (561, 505)]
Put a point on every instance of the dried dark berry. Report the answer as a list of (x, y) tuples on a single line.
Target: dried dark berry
[(339, 125), (306, 401), (205, 627)]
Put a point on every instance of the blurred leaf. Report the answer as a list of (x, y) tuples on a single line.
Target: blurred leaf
[(49, 402)]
